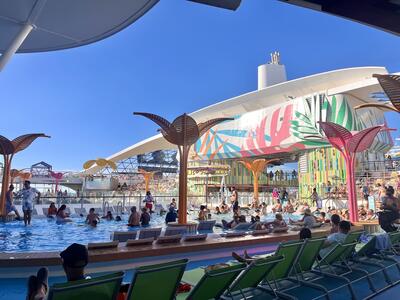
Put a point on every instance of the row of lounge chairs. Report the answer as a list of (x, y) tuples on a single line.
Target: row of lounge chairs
[(294, 271)]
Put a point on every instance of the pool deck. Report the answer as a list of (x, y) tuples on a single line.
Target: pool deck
[(122, 252)]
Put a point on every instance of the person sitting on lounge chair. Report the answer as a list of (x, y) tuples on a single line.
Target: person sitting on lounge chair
[(277, 223), (334, 238), (304, 233), (307, 221), (74, 260)]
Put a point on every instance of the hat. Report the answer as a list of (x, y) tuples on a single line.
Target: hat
[(75, 256)]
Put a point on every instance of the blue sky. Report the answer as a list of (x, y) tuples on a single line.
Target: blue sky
[(179, 57)]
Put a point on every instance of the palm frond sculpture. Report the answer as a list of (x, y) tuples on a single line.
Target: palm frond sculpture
[(147, 175), (8, 149), (14, 173), (391, 86), (182, 132), (101, 162), (256, 167), (348, 144)]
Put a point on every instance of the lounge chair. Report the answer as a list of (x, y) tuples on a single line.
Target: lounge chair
[(195, 237), (247, 285), (171, 239), (206, 225), (336, 263), (303, 283), (142, 242), (100, 288), (123, 236), (353, 236), (156, 281), (102, 245), (212, 284), (242, 226), (149, 232), (175, 230)]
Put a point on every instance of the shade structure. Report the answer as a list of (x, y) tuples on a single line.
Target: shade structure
[(44, 25), (382, 14)]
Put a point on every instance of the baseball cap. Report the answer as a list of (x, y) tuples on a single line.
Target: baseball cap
[(75, 256)]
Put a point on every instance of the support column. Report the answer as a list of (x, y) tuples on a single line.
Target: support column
[(15, 44)]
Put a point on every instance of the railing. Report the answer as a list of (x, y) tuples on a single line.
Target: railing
[(120, 202)]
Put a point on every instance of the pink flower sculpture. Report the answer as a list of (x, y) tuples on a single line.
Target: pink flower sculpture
[(57, 176), (348, 145)]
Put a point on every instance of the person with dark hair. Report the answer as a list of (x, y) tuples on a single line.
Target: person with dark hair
[(145, 218), (28, 194), (52, 210), (305, 233), (334, 238), (335, 219), (202, 213), (9, 202), (62, 215), (134, 218), (234, 198), (74, 260), (171, 215), (91, 217), (149, 201), (390, 210)]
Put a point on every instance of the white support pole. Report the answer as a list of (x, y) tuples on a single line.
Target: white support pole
[(15, 44)]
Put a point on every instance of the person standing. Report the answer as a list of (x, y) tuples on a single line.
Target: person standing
[(148, 200), (134, 218), (9, 202), (28, 194), (234, 198)]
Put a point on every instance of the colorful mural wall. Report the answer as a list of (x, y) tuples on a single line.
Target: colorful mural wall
[(286, 127)]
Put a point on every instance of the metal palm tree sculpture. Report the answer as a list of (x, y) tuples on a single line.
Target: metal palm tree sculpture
[(348, 145), (14, 173), (147, 175), (256, 167), (183, 132), (391, 86), (101, 162), (8, 149)]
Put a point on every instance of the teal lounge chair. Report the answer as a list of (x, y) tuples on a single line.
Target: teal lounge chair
[(100, 288), (156, 281), (212, 284)]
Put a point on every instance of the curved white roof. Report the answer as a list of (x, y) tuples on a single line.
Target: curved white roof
[(66, 24), (352, 80)]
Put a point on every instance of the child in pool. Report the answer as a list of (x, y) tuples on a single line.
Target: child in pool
[(92, 216)]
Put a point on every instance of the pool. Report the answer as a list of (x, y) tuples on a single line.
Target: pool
[(45, 235)]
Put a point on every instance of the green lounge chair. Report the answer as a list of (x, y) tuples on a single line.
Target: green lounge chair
[(156, 281), (100, 288), (395, 241), (353, 236), (368, 254), (337, 262), (303, 284), (213, 283), (247, 284)]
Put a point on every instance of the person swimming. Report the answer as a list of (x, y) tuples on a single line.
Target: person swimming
[(62, 215), (108, 216), (52, 210), (92, 216)]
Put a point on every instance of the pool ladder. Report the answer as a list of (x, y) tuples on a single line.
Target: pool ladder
[(120, 205)]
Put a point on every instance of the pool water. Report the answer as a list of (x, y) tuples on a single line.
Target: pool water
[(46, 235)]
